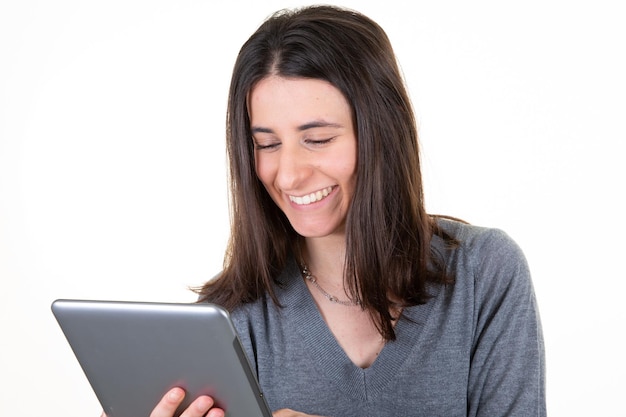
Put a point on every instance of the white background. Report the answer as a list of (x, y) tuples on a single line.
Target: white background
[(113, 178)]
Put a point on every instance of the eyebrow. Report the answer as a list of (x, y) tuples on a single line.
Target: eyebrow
[(311, 125)]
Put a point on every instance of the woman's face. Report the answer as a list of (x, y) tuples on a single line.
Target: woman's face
[(305, 151)]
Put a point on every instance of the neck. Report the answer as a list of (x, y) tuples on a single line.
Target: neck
[(325, 257)]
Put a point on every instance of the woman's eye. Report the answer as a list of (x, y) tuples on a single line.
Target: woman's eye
[(268, 146), (318, 142)]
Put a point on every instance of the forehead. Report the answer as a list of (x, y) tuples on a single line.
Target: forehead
[(280, 100)]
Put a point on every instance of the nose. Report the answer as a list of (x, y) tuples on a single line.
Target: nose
[(292, 168)]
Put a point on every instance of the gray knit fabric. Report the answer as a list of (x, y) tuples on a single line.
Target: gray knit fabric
[(475, 349)]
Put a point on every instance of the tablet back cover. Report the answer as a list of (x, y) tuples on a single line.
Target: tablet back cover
[(133, 352)]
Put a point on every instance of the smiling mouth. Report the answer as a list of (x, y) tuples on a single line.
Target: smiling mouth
[(311, 198)]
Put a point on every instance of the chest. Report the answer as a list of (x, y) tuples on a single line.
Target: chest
[(308, 373), (355, 332)]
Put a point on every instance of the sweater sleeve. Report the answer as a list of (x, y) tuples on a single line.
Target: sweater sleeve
[(507, 376)]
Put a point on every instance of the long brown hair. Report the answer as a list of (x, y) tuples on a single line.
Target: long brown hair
[(388, 232)]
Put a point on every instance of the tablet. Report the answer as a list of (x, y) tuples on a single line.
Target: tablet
[(132, 353)]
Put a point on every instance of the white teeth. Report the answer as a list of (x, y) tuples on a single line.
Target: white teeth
[(311, 198)]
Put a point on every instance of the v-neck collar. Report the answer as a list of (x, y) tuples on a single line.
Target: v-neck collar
[(330, 358)]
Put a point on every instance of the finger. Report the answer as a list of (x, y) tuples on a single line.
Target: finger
[(285, 412), (200, 406), (169, 403), (216, 412)]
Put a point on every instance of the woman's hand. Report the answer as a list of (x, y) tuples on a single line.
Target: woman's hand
[(198, 408), (285, 412)]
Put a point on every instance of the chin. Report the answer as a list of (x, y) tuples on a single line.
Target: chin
[(311, 231)]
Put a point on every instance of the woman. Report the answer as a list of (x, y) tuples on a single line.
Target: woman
[(349, 299)]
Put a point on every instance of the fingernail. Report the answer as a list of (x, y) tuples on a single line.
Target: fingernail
[(176, 394), (204, 403)]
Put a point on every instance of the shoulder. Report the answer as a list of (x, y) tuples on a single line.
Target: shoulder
[(486, 259), (480, 246), (478, 238)]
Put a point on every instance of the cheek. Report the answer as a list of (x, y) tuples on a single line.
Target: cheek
[(263, 170), (348, 171), (351, 181)]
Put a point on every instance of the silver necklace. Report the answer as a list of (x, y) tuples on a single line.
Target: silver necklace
[(311, 278)]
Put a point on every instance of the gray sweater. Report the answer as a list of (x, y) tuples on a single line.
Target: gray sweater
[(474, 349)]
